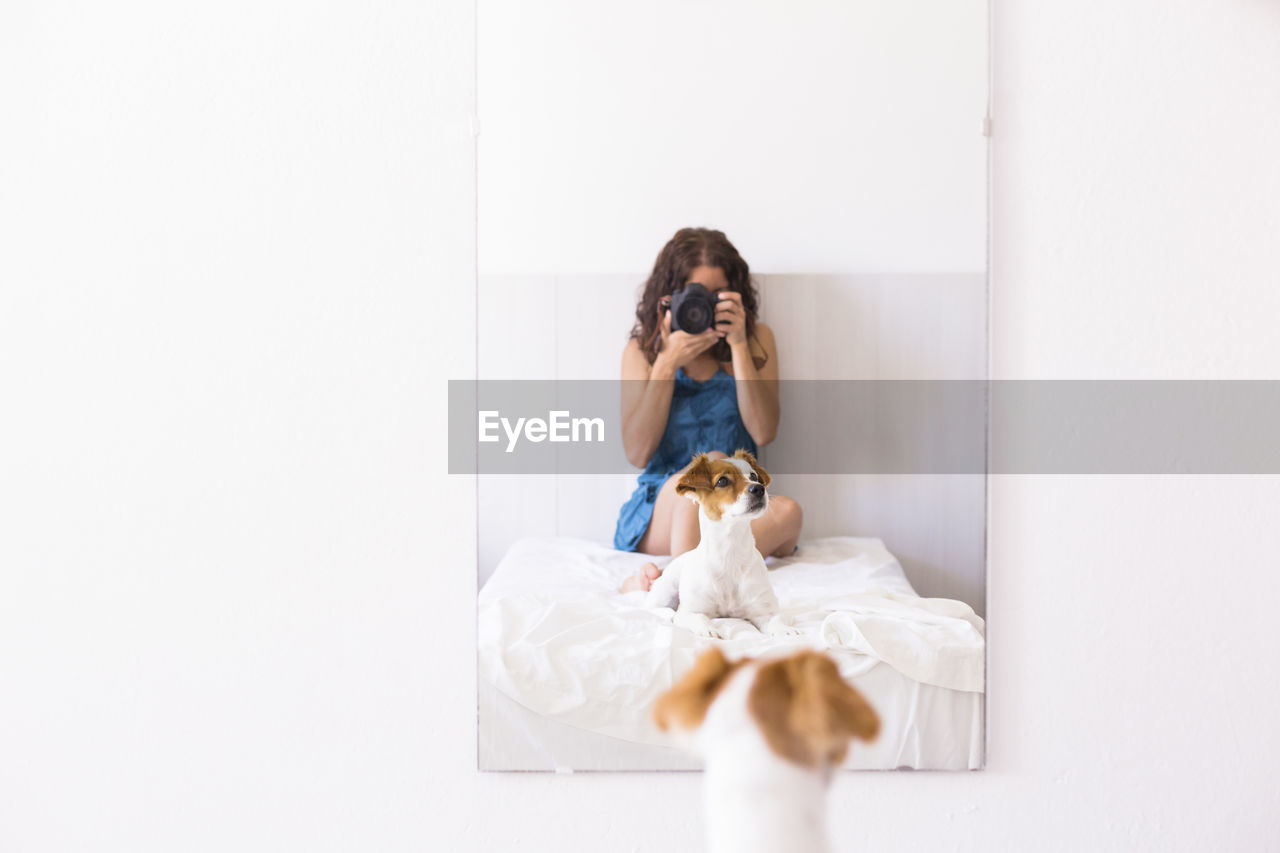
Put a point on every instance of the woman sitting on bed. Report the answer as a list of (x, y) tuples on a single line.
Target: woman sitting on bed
[(712, 392)]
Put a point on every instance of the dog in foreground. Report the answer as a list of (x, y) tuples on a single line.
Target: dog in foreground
[(770, 733), (724, 575)]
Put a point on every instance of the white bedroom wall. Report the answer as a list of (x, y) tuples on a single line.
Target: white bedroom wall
[(237, 582), (606, 128)]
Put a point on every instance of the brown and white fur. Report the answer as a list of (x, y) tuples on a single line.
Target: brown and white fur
[(770, 733), (724, 575)]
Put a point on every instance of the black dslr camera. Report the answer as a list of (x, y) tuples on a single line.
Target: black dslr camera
[(693, 309)]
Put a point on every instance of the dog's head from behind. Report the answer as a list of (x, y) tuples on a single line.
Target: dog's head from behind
[(804, 710), (734, 487)]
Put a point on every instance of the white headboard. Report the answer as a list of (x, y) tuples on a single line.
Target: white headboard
[(827, 327)]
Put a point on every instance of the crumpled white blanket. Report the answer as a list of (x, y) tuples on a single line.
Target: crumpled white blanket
[(557, 637)]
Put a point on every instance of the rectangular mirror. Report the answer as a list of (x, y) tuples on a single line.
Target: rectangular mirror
[(836, 149)]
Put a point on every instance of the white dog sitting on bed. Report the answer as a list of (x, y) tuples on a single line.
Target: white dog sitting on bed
[(770, 732), (725, 575)]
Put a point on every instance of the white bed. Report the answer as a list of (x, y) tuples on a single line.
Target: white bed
[(569, 668)]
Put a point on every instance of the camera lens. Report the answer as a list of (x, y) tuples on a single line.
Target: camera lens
[(692, 309), (694, 316)]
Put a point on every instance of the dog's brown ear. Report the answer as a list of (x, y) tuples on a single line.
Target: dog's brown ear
[(807, 712), (751, 460), (697, 478), (685, 704)]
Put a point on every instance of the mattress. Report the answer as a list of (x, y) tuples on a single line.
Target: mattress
[(569, 668)]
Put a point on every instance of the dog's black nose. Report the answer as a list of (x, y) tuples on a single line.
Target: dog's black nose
[(756, 489)]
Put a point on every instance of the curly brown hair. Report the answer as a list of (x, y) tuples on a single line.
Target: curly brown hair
[(690, 248)]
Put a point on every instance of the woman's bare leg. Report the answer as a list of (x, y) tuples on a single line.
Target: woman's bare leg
[(778, 530)]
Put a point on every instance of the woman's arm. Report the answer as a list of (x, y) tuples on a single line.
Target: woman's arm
[(646, 389), (757, 388), (646, 402)]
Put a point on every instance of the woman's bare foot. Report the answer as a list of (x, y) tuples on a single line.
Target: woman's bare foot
[(642, 579)]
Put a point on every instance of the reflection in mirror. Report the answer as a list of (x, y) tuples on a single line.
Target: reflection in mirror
[(819, 172)]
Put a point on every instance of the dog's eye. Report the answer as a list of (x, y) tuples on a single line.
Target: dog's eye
[(754, 478), (722, 482)]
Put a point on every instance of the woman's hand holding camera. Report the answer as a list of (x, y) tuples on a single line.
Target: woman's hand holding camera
[(731, 318), (679, 347)]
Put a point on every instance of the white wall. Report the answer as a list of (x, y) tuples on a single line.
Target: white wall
[(823, 136), (237, 582)]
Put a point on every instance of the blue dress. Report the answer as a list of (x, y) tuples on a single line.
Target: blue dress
[(703, 417)]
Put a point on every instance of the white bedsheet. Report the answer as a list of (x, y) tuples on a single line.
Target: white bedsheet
[(556, 637)]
